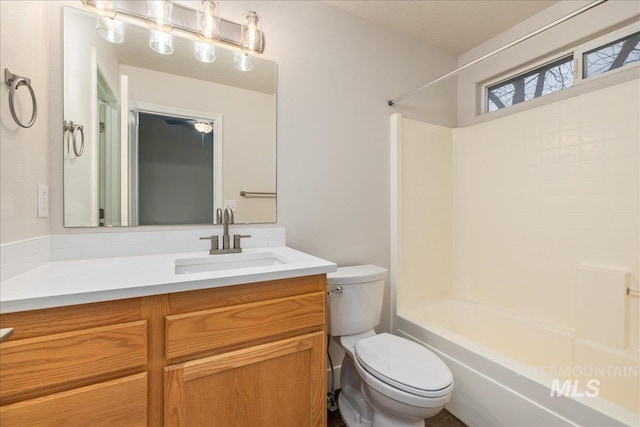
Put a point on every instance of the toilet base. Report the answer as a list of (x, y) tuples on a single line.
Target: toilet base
[(349, 415), (352, 418), (359, 409)]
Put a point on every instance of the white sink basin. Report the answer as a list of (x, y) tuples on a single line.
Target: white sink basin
[(229, 262)]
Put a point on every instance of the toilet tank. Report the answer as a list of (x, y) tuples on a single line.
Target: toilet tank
[(357, 308)]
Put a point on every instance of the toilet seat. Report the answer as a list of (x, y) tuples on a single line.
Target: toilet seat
[(405, 365)]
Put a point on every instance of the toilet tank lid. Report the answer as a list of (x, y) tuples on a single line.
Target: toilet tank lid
[(356, 274)]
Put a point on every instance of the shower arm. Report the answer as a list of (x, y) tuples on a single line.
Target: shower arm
[(393, 101)]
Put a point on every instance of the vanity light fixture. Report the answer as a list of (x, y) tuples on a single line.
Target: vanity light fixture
[(204, 52), (208, 16), (101, 7), (251, 33), (159, 14), (161, 42), (203, 127), (243, 61), (110, 29)]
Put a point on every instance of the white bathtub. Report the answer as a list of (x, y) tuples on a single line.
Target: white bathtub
[(505, 365)]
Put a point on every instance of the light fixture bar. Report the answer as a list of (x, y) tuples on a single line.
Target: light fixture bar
[(391, 102), (140, 18)]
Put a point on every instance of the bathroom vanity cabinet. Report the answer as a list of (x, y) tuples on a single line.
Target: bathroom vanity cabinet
[(250, 354)]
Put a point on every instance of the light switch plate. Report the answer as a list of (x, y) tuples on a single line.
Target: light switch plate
[(230, 204), (43, 201)]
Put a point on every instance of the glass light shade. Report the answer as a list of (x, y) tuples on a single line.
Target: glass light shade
[(209, 20), (101, 7), (159, 13), (242, 61), (203, 127), (161, 42), (110, 29), (251, 33), (204, 52)]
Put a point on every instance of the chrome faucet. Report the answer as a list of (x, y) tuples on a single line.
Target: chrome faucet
[(227, 218)]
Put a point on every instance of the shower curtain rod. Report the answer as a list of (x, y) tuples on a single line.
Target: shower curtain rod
[(495, 52)]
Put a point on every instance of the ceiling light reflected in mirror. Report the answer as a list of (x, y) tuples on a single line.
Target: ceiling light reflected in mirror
[(204, 52), (242, 61), (203, 127), (161, 42), (110, 29)]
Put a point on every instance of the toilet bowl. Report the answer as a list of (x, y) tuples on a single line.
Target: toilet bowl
[(386, 380)]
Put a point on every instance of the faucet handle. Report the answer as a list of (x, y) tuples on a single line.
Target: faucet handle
[(236, 240), (214, 243)]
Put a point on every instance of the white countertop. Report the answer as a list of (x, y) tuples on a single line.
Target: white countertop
[(62, 283)]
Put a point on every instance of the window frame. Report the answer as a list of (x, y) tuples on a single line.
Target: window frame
[(578, 54), (524, 74)]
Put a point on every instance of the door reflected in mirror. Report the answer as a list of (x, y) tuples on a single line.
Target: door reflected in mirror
[(176, 168), (168, 139)]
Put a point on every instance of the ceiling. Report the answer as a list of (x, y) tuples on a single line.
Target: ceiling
[(455, 26)]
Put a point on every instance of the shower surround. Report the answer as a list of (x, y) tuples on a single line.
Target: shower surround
[(520, 236)]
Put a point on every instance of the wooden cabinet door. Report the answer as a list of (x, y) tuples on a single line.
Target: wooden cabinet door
[(119, 402), (281, 383)]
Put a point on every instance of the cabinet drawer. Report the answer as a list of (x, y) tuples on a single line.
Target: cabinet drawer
[(120, 402), (57, 361), (206, 330)]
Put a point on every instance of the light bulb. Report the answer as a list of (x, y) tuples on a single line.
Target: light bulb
[(161, 42), (251, 32), (209, 20), (101, 7), (110, 29), (242, 61), (203, 127), (159, 14), (204, 52)]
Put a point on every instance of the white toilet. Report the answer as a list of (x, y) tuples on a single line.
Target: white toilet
[(387, 381)]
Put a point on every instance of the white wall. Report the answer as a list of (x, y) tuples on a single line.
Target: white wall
[(335, 75), (601, 19), (24, 152), (249, 157)]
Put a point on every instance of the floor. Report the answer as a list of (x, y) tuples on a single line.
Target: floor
[(443, 419)]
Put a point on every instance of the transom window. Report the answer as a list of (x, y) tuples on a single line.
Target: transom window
[(611, 56), (605, 54), (540, 81)]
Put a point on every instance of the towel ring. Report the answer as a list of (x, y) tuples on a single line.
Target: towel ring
[(15, 82), (67, 136), (75, 148), (71, 137)]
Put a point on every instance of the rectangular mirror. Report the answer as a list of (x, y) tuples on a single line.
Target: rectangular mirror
[(152, 139)]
